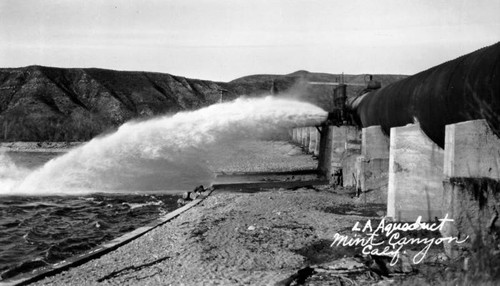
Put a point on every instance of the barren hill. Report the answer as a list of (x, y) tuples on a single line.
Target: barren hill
[(60, 104)]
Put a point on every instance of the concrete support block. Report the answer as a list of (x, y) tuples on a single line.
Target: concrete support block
[(372, 167), (294, 135), (325, 151), (372, 178), (312, 139), (473, 205), (415, 175), (339, 147), (318, 139), (346, 147), (472, 185), (374, 143), (299, 136), (344, 139), (302, 136), (471, 150), (349, 171), (307, 137)]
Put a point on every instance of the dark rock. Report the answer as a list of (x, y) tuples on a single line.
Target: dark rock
[(199, 189), (186, 196), (299, 278), (382, 264)]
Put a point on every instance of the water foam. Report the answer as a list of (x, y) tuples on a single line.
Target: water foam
[(163, 153), (10, 173)]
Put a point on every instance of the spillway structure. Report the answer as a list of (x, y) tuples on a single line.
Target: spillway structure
[(426, 146)]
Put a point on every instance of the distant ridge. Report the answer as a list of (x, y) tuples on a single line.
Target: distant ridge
[(40, 103)]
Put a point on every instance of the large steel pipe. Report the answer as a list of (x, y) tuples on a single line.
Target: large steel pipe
[(463, 89)]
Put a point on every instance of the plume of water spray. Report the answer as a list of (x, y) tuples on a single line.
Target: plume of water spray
[(10, 174), (164, 153)]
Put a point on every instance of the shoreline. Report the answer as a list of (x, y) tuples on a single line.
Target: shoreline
[(54, 147), (272, 237), (264, 238)]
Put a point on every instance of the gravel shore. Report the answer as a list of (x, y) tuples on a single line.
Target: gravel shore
[(229, 239), (260, 156), (273, 237)]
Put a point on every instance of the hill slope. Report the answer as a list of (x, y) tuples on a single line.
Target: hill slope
[(41, 103), (57, 104), (297, 85)]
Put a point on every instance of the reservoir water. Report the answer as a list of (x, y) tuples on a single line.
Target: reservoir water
[(55, 205)]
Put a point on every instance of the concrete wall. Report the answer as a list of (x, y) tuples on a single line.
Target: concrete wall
[(295, 135), (473, 205), (318, 139), (374, 143), (346, 147), (307, 139), (471, 150), (337, 146), (471, 186), (325, 151), (312, 139), (303, 137), (372, 167), (372, 179), (415, 175)]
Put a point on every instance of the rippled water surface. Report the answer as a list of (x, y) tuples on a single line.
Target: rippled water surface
[(35, 231), (49, 209), (40, 230)]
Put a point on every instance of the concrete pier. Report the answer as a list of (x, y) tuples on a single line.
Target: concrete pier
[(415, 175), (312, 139), (325, 151), (299, 136), (336, 148), (372, 167), (471, 185), (471, 150), (295, 135), (336, 144), (374, 143), (318, 139), (346, 147), (306, 139)]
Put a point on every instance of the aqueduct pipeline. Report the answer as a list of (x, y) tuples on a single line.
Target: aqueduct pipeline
[(427, 145)]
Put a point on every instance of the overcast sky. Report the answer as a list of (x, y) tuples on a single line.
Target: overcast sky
[(223, 40)]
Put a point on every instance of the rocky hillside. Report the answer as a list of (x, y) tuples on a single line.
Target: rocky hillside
[(306, 86), (42, 103), (55, 104)]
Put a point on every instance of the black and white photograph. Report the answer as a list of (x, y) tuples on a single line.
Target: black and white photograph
[(249, 142)]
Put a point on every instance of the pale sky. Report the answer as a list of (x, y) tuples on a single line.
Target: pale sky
[(224, 40)]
